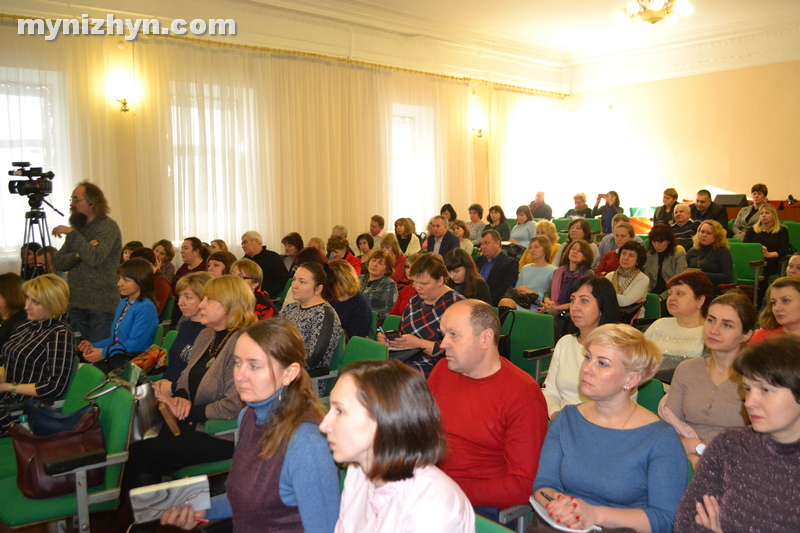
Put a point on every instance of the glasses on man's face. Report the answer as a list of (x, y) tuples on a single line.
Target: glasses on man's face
[(75, 200)]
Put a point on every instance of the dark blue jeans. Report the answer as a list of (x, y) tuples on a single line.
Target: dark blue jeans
[(94, 326)]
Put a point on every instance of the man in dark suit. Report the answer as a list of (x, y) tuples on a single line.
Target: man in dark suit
[(541, 209), (704, 209), (499, 270), (273, 269), (440, 240)]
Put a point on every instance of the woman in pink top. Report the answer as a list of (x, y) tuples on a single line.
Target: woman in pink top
[(781, 314), (384, 424)]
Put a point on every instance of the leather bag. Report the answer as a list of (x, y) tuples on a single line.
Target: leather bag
[(33, 451), (45, 420), (149, 358)]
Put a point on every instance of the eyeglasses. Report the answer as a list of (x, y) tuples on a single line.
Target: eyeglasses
[(240, 275), (75, 200)]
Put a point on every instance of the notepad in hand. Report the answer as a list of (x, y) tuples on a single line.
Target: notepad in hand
[(544, 514), (150, 502)]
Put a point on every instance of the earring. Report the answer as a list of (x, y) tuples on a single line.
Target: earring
[(626, 388)]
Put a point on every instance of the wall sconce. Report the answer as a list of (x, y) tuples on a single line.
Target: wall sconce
[(478, 132), (123, 104), (123, 89)]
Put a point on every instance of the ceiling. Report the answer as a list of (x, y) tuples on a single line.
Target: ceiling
[(574, 28)]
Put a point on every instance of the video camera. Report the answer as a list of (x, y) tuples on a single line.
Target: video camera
[(32, 186)]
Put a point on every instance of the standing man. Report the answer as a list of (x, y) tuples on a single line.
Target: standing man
[(541, 209), (704, 209), (684, 227), (493, 413), (90, 254), (273, 270), (441, 241), (376, 224), (498, 269)]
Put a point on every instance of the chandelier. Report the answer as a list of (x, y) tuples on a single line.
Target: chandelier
[(653, 11)]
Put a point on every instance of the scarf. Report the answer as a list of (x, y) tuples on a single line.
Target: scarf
[(623, 278)]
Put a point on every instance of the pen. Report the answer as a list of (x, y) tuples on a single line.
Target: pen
[(546, 496), (380, 329), (202, 520)]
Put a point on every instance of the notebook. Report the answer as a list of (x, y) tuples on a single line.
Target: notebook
[(150, 502)]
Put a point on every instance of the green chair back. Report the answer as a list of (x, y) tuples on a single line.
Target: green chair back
[(645, 240), (282, 298), (743, 253), (158, 336), (529, 331), (562, 224), (362, 349), (511, 222), (169, 338), (594, 225), (482, 525), (652, 307), (476, 251), (373, 328), (562, 238), (794, 233), (86, 378), (391, 322), (336, 360), (166, 313), (730, 224), (650, 393)]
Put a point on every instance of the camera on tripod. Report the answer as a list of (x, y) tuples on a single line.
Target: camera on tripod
[(38, 182)]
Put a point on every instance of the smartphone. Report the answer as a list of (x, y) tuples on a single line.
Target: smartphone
[(393, 334)]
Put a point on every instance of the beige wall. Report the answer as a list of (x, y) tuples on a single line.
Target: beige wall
[(724, 130)]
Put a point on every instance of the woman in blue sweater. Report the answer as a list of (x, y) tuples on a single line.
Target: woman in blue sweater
[(610, 462), (136, 318), (282, 474)]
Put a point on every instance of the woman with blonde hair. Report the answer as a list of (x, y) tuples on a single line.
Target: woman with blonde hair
[(544, 228), (772, 236), (406, 232), (282, 475), (781, 314), (218, 245), (37, 359), (251, 273), (633, 474), (711, 253), (534, 278), (165, 253), (353, 308), (389, 244), (205, 389)]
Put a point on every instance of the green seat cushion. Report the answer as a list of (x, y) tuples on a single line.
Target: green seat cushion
[(8, 459)]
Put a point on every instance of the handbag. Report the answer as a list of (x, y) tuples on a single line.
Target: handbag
[(523, 300), (34, 451), (147, 420), (149, 358), (45, 420)]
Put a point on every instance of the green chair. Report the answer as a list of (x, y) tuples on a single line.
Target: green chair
[(594, 225), (391, 322), (282, 297), (116, 409), (562, 238), (650, 393), (166, 313), (158, 336), (482, 525), (646, 212), (373, 328), (645, 240), (336, 363), (169, 338), (511, 222), (357, 349), (562, 224), (748, 265), (476, 251), (794, 233), (730, 224), (532, 338)]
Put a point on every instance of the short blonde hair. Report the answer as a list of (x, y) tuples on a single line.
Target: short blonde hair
[(638, 353), (347, 281), (249, 268), (51, 291), (580, 196), (720, 235), (776, 224), (236, 297), (550, 230), (195, 282)]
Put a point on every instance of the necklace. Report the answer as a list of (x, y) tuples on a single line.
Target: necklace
[(635, 406), (212, 352)]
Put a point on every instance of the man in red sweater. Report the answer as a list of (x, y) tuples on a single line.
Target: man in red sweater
[(493, 413)]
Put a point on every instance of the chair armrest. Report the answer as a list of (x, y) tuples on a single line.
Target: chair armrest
[(319, 372), (73, 462), (221, 427), (758, 264), (537, 353), (105, 460), (643, 322), (510, 514)]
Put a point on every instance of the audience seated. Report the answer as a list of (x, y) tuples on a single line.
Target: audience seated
[(390, 245), (539, 209), (608, 210), (544, 228), (220, 263), (680, 336), (608, 243), (339, 248), (165, 253), (309, 254), (711, 253), (459, 229), (136, 318), (384, 424), (273, 269), (282, 476), (36, 361), (684, 227), (218, 245), (421, 334), (593, 304), (630, 283), (250, 272), (313, 315), (574, 265), (581, 209), (498, 269), (377, 286), (493, 413), (704, 209), (292, 243), (193, 256), (441, 241), (664, 212), (793, 268), (747, 478), (772, 236), (12, 306), (406, 233), (705, 394), (316, 242), (376, 225), (497, 222), (664, 260), (578, 230), (609, 262), (353, 308), (163, 291), (448, 213), (205, 390), (190, 294), (405, 294), (748, 216), (464, 276), (128, 248), (781, 313), (610, 462), (476, 225), (29, 260), (534, 278), (522, 232), (365, 244), (46, 262)]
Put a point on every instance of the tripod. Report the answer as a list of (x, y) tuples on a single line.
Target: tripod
[(37, 218)]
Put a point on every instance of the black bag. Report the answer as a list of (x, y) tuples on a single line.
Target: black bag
[(45, 420), (523, 300)]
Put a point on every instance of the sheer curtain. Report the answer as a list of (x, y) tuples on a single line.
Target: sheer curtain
[(526, 149), (53, 114)]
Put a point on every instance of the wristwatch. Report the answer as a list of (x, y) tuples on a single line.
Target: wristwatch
[(14, 388), (700, 449)]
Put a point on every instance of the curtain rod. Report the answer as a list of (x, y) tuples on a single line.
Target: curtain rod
[(314, 55)]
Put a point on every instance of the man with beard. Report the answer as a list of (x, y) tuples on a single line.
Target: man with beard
[(91, 255)]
